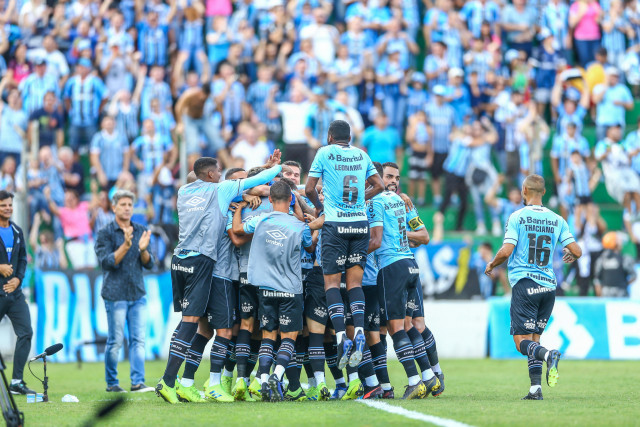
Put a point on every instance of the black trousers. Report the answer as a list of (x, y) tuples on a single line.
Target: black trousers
[(15, 307), (455, 184)]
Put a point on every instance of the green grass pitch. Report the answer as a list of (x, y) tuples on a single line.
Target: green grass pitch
[(478, 393)]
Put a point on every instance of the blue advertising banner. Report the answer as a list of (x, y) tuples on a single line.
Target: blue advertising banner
[(581, 328), (445, 272), (71, 311)]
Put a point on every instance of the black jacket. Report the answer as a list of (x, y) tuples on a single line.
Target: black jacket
[(18, 258)]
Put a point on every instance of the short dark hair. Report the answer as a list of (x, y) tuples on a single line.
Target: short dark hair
[(232, 171), (390, 165), (280, 192), (378, 167), (203, 164), (340, 131), (255, 171), (4, 195), (294, 164)]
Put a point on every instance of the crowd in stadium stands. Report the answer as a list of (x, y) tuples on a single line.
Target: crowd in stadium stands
[(469, 93)]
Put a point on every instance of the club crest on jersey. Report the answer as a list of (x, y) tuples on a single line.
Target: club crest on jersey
[(530, 325)]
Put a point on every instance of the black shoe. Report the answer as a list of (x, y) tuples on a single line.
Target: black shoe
[(372, 392), (276, 389), (20, 388), (116, 389), (439, 391), (141, 388), (388, 394), (265, 391), (534, 396)]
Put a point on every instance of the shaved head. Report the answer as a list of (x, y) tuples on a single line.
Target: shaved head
[(534, 184), (191, 177)]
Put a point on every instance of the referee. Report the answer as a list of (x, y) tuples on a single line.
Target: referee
[(13, 263)]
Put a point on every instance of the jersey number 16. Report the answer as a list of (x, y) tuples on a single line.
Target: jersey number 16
[(538, 253)]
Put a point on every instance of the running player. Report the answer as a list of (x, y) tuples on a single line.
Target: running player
[(529, 243), (274, 267), (202, 208), (344, 170)]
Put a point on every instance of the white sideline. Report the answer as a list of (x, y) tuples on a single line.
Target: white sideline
[(397, 410)]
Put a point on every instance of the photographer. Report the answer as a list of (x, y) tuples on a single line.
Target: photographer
[(13, 263), (121, 247)]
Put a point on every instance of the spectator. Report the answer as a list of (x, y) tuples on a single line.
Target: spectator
[(154, 87), (72, 171), (622, 183), (13, 126), (545, 61), (34, 87), (581, 180), (458, 96), (555, 18), (616, 29), (346, 75), (419, 135), (478, 12), (532, 133), (570, 107), (117, 67), (584, 20), (324, 37), (479, 261), (49, 122), (229, 94), (632, 147), (442, 120), (612, 98), (614, 272), (417, 96), (502, 207), (249, 150), (74, 218), (153, 41), (294, 119), (8, 174), (391, 81), (147, 154), (191, 122), (382, 142), (589, 236), (319, 115), (19, 68), (519, 22), (49, 251), (102, 212), (121, 247), (109, 153), (394, 39), (84, 96), (162, 119), (436, 65)]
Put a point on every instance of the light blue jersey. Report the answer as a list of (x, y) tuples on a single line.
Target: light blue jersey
[(387, 210), (370, 275), (535, 231), (344, 172)]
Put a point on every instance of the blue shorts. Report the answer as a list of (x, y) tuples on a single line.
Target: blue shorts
[(344, 245), (397, 285), (531, 307), (221, 309)]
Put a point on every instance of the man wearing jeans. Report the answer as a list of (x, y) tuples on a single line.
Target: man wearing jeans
[(121, 247)]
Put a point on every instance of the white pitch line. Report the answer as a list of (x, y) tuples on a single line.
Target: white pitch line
[(397, 410)]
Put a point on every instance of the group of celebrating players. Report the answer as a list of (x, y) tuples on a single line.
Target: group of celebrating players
[(290, 277)]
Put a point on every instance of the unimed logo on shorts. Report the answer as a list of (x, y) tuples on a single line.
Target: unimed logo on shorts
[(178, 267)]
